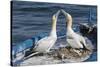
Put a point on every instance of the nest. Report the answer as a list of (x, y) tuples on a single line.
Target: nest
[(71, 54)]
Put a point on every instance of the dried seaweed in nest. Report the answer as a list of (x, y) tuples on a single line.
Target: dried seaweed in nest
[(69, 53)]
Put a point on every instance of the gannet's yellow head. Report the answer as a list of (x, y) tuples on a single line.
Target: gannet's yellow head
[(55, 16), (54, 22), (68, 18), (67, 15)]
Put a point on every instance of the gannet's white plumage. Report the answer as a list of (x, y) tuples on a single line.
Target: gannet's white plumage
[(45, 44), (74, 40)]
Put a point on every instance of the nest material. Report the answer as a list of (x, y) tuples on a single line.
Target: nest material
[(71, 55)]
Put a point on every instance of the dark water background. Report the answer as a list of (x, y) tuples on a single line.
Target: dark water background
[(31, 18)]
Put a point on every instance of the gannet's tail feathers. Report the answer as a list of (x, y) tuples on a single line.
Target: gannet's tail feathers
[(83, 42)]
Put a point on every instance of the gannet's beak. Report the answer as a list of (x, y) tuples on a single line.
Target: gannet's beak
[(67, 15), (55, 16), (64, 12)]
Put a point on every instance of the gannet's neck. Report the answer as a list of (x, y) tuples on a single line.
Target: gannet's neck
[(69, 27), (53, 30), (69, 23), (69, 20)]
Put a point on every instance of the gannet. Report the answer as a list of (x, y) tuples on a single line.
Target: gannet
[(73, 39), (45, 44)]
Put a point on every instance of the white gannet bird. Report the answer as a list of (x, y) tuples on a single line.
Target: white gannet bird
[(45, 44), (74, 40)]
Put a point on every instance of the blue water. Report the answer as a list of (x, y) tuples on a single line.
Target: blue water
[(32, 18)]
